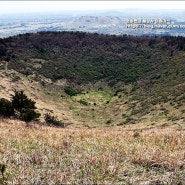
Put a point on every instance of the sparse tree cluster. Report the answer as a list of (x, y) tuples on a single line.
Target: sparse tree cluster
[(23, 108), (20, 107)]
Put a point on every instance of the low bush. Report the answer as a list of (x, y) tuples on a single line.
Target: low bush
[(70, 91), (53, 120), (30, 115), (6, 108), (83, 102)]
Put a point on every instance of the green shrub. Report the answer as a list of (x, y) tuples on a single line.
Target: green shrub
[(70, 91), (129, 120), (15, 78), (3, 170), (53, 120), (6, 108), (83, 102), (109, 122), (117, 91), (120, 124), (30, 115), (124, 115), (136, 134), (134, 112), (174, 118)]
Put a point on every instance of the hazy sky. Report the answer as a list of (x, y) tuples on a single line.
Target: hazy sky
[(40, 6)]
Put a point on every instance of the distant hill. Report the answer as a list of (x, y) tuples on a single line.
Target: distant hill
[(101, 22), (128, 79)]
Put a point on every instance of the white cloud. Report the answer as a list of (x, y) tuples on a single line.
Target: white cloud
[(37, 6)]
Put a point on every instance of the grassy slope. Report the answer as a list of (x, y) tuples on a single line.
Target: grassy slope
[(123, 79), (37, 154), (105, 107)]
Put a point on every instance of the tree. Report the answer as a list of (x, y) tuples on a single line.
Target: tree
[(6, 108), (24, 107)]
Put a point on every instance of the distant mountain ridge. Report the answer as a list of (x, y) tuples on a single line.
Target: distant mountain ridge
[(102, 22)]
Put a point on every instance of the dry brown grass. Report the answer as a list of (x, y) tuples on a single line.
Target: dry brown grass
[(37, 154)]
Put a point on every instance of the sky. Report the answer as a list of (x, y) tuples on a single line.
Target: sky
[(45, 6)]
